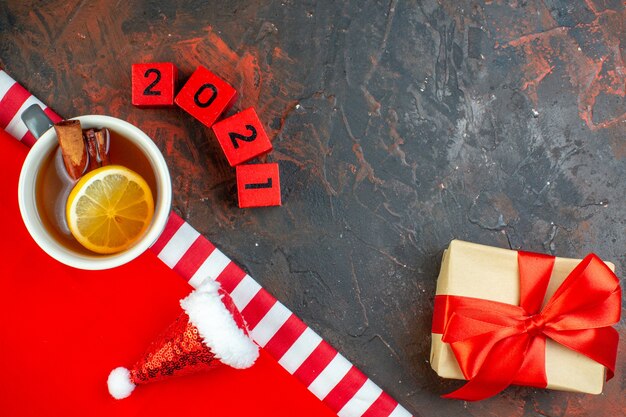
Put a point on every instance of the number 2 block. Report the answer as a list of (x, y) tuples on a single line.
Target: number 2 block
[(258, 185), (242, 137), (153, 84), (206, 96)]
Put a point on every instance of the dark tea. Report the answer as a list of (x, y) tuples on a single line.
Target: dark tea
[(54, 185)]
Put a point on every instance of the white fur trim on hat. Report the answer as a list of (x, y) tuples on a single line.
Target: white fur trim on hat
[(119, 383), (217, 327)]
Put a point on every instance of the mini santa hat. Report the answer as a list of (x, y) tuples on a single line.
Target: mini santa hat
[(210, 332)]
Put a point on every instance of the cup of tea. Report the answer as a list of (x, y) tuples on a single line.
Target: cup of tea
[(43, 193)]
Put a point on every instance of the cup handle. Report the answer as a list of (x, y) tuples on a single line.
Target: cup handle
[(36, 121)]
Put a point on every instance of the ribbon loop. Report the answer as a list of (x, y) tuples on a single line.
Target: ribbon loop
[(498, 344)]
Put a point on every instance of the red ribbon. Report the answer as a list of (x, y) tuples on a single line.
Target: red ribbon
[(498, 344)]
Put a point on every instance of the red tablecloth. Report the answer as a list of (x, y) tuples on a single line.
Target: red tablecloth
[(62, 330)]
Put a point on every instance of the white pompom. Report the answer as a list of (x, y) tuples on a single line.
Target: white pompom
[(120, 385)]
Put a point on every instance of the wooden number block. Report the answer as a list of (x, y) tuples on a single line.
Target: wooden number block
[(153, 84), (205, 96), (258, 185), (242, 137)]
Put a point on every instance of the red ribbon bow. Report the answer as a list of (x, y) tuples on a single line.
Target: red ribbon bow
[(498, 344)]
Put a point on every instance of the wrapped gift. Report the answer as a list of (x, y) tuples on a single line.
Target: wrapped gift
[(505, 317)]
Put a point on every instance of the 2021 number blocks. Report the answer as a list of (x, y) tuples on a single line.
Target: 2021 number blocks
[(258, 185), (206, 96), (153, 84), (242, 137)]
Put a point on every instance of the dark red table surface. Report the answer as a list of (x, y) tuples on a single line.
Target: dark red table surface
[(398, 126)]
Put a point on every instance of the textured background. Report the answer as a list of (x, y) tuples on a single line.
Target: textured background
[(398, 126)]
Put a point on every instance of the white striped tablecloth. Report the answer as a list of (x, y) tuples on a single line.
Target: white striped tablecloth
[(297, 348)]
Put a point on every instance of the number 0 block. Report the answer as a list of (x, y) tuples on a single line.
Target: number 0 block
[(242, 137), (153, 84), (258, 185), (205, 96)]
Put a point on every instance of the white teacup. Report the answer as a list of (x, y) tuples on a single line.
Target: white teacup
[(35, 159)]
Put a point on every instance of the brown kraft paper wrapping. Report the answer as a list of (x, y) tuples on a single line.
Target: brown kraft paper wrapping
[(479, 271)]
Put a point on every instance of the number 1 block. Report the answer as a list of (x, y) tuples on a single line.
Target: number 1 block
[(258, 185), (153, 84), (206, 96), (242, 137)]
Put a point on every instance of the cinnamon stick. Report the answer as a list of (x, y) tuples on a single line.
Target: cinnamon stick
[(91, 142), (73, 149), (96, 141), (103, 136)]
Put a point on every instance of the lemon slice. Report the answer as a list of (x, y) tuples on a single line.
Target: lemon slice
[(109, 209)]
